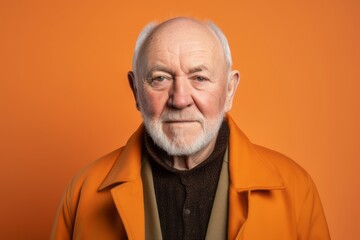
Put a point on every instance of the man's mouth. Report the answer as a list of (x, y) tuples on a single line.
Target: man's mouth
[(180, 121)]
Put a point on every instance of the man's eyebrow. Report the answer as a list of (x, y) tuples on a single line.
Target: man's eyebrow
[(198, 69), (159, 68)]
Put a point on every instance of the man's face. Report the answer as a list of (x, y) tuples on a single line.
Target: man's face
[(182, 87)]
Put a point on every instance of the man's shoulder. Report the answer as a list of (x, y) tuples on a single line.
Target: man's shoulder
[(289, 170), (258, 156), (96, 171), (123, 161), (277, 158), (104, 163)]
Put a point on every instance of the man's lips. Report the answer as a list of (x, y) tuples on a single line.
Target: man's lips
[(181, 121)]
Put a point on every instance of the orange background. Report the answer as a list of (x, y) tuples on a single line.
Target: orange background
[(64, 98)]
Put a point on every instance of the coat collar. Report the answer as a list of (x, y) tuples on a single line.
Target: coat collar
[(128, 165), (249, 169)]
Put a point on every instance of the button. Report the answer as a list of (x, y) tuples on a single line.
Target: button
[(187, 211)]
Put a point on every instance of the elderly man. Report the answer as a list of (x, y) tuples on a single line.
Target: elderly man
[(189, 172)]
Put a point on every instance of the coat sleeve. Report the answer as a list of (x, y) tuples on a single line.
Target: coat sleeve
[(312, 224), (63, 225)]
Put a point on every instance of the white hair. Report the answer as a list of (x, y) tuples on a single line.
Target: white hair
[(224, 42), (143, 36), (149, 29)]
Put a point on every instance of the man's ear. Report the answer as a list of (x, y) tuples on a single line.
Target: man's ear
[(132, 83), (232, 85)]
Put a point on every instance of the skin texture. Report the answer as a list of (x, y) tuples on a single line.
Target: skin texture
[(183, 86)]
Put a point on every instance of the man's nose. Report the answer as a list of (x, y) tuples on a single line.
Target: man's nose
[(180, 94)]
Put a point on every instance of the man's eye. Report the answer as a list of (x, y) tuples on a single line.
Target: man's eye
[(200, 78), (158, 78), (159, 81)]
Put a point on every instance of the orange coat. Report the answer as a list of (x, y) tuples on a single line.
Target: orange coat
[(270, 196)]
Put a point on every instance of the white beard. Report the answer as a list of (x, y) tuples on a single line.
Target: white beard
[(178, 146)]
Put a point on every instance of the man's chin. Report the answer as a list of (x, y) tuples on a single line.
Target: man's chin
[(181, 129), (181, 145), (177, 144), (175, 150), (182, 139)]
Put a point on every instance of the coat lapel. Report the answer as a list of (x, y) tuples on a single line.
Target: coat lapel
[(125, 182), (248, 172), (128, 198)]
